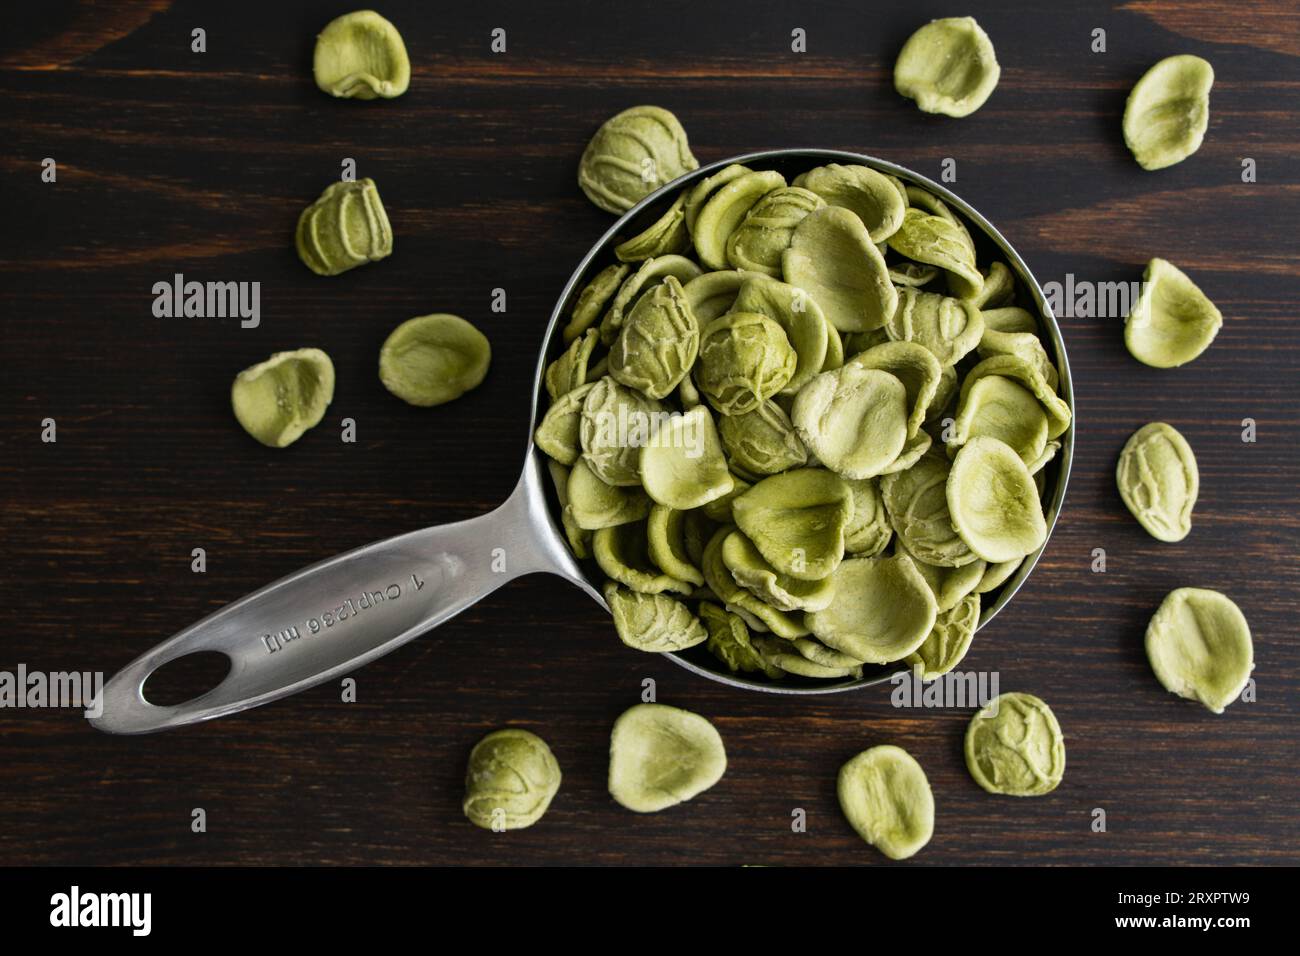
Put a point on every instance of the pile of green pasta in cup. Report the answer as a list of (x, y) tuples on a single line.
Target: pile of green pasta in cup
[(797, 422)]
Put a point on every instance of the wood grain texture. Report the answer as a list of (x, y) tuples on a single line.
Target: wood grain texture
[(171, 161)]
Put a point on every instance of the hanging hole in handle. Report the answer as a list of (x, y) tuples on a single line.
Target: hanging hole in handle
[(182, 679)]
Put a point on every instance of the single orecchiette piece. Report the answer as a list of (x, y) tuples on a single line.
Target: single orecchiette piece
[(1003, 409), (950, 328), (557, 435), (1159, 481), (949, 639), (763, 442), (869, 195), (659, 341), (802, 319), (948, 66), (616, 424), (1014, 746), (652, 622), (832, 257), (595, 504), (912, 364), (993, 501), (1172, 321), (433, 359), (797, 521), (593, 298), (932, 239), (361, 55), (667, 235), (758, 243), (650, 273), (1199, 645), (683, 465), (885, 796), (745, 359), (1168, 111), (345, 228), (729, 640), (853, 419), (661, 756), (753, 573), (666, 544), (917, 502), (868, 532), (511, 780), (632, 155), (881, 611), (279, 399)]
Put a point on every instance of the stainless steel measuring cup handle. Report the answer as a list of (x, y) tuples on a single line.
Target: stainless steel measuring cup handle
[(328, 619)]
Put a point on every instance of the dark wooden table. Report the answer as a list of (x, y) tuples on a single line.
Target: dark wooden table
[(174, 161)]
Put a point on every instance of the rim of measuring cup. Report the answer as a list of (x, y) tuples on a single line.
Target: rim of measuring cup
[(1064, 459)]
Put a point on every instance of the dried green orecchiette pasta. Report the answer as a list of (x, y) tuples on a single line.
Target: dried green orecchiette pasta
[(1199, 645), (868, 532), (660, 756), (934, 240), (916, 501), (762, 442), (667, 235), (653, 622), (950, 328), (623, 553), (649, 274), (511, 780), (683, 464), (1014, 746), (882, 610), (668, 544), (994, 504), (752, 571), (579, 538), (745, 359), (800, 317), (345, 228), (949, 639), (632, 155), (885, 796), (1172, 321), (725, 210), (729, 641), (797, 520), (804, 424), (853, 419), (762, 237), (833, 258), (593, 298), (361, 55), (617, 422), (659, 341), (595, 504), (279, 399), (869, 195), (432, 359), (557, 435), (1168, 111), (948, 66), (1158, 480)]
